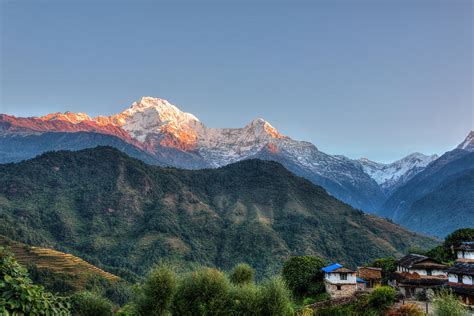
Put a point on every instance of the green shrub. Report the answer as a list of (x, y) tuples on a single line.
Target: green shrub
[(245, 300), (303, 275), (90, 304), (156, 294), (381, 298), (118, 292), (448, 304), (318, 298), (242, 274), (19, 296), (203, 292), (275, 298)]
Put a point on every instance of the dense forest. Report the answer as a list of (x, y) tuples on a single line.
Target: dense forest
[(124, 215)]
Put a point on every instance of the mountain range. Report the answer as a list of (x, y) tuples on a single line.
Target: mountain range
[(157, 132), (124, 215)]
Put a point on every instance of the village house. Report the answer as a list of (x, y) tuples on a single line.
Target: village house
[(339, 281), (461, 275), (465, 252), (372, 276), (461, 281), (419, 275)]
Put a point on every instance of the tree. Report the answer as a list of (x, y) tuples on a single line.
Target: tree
[(303, 275), (203, 292), (444, 252), (246, 300), (90, 304), (381, 298), (448, 304), (20, 296), (276, 298), (242, 274), (156, 295)]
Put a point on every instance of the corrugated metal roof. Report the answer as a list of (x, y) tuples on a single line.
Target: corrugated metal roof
[(332, 267), (467, 245), (411, 259), (462, 268), (359, 280)]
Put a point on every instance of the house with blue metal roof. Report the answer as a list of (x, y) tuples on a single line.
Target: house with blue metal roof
[(339, 281)]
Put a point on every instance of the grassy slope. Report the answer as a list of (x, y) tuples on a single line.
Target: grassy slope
[(72, 269), (118, 212)]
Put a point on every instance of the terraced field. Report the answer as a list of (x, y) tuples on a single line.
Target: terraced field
[(57, 262)]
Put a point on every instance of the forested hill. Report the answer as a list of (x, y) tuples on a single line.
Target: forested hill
[(122, 214)]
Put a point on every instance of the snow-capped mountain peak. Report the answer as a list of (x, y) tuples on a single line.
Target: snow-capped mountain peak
[(66, 116), (468, 143), (166, 110), (260, 126), (152, 116), (392, 175)]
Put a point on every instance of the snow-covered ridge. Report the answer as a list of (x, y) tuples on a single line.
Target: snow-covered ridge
[(156, 125), (400, 171), (468, 143)]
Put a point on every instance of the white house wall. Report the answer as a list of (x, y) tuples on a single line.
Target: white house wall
[(421, 271), (453, 278), (467, 255), (466, 279), (336, 278)]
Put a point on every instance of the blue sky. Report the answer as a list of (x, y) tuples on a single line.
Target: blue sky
[(377, 79)]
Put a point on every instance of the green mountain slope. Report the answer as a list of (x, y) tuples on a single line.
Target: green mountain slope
[(73, 272), (449, 207), (120, 213)]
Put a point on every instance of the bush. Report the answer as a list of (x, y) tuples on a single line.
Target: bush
[(318, 298), (303, 275), (275, 298), (242, 274), (90, 304), (448, 304), (156, 294), (204, 292), (118, 292), (381, 298), (246, 300), (406, 310), (19, 296)]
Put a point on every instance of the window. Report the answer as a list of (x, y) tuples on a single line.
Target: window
[(459, 278), (428, 272), (338, 287), (343, 276)]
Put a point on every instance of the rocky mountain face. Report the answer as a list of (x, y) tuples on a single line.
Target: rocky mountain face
[(393, 175), (468, 143), (438, 199), (125, 215), (158, 132)]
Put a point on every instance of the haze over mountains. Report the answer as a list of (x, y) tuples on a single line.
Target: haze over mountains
[(157, 132)]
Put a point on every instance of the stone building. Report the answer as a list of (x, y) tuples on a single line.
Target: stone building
[(372, 276), (339, 281)]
